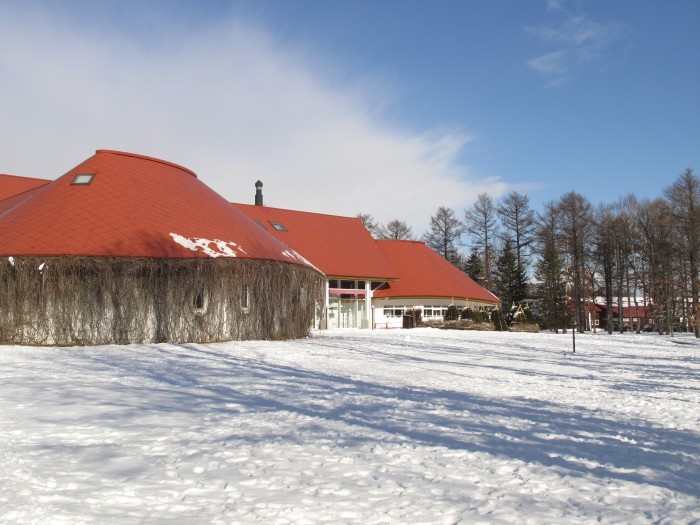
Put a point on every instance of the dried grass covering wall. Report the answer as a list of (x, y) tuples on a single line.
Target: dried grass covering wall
[(82, 300)]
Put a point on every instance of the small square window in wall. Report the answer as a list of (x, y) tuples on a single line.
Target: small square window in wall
[(82, 179), (278, 226)]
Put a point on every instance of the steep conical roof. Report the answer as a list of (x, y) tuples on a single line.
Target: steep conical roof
[(120, 204)]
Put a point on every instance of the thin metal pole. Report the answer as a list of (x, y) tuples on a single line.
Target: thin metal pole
[(573, 334)]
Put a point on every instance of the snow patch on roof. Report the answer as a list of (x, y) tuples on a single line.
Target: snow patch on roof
[(297, 257), (212, 247)]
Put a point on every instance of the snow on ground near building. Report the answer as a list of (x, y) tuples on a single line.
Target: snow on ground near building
[(419, 426)]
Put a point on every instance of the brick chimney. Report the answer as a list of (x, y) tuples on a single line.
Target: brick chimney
[(258, 193)]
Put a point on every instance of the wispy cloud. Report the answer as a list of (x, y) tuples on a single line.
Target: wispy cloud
[(572, 41), (554, 65), (229, 102), (555, 4)]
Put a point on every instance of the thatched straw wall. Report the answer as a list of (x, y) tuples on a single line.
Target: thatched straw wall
[(84, 300)]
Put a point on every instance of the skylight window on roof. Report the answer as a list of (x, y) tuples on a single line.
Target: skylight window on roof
[(82, 179), (279, 226)]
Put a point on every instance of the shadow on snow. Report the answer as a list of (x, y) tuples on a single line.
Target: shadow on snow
[(192, 379)]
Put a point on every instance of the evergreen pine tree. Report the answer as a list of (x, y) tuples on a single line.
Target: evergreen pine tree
[(510, 280), (474, 268), (551, 287)]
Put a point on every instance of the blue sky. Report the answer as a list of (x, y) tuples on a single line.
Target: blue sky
[(388, 107)]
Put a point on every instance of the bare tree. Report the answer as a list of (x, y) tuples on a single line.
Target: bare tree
[(576, 229), (444, 234), (518, 221), (626, 268), (684, 198), (480, 223), (605, 250), (370, 223), (396, 230), (659, 256)]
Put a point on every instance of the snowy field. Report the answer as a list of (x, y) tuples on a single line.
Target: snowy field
[(419, 426)]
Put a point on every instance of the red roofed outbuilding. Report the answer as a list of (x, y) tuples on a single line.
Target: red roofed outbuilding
[(427, 282), (128, 248), (343, 249), (425, 274), (369, 282), (633, 317)]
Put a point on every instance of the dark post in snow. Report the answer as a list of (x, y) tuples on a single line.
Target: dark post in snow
[(573, 333)]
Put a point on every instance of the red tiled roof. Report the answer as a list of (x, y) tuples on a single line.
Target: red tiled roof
[(11, 185), (9, 202), (423, 273), (338, 246), (135, 206), (635, 311)]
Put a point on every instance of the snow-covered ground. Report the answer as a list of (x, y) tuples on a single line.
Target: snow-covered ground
[(405, 426)]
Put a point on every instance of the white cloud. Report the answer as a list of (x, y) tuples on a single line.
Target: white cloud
[(553, 65), (573, 40), (228, 102), (555, 4)]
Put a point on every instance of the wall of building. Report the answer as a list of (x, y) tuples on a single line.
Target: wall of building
[(83, 300), (388, 313)]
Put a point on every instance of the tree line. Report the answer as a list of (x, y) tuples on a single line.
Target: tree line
[(643, 253)]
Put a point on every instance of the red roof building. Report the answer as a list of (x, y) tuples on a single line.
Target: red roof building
[(366, 278), (119, 204), (427, 282), (129, 248), (634, 317), (341, 247), (424, 274)]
